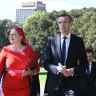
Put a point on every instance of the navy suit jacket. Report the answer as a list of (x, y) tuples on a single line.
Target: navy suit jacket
[(92, 80), (76, 58)]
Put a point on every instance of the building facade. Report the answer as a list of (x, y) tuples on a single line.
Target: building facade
[(27, 9)]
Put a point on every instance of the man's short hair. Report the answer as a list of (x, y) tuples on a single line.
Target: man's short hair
[(65, 14), (89, 50)]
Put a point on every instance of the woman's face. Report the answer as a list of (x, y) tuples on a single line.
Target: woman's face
[(14, 37)]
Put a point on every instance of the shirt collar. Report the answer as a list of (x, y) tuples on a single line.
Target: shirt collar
[(90, 63), (68, 36)]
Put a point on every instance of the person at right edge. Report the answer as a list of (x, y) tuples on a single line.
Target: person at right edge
[(65, 78), (91, 74)]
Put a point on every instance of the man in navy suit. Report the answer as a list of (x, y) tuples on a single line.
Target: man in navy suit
[(91, 73), (65, 71)]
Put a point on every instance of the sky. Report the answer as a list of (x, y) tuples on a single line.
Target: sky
[(8, 7)]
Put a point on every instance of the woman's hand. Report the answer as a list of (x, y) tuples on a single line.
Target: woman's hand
[(29, 72)]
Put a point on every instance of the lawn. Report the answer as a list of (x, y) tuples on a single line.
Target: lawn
[(42, 77)]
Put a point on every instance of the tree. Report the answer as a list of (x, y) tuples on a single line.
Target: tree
[(5, 27), (40, 25), (36, 28)]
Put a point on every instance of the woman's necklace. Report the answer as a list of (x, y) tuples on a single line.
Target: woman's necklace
[(17, 49)]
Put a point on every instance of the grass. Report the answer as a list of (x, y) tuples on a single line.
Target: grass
[(42, 69), (42, 77)]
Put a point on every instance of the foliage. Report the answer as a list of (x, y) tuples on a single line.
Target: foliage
[(5, 27), (40, 25), (85, 26)]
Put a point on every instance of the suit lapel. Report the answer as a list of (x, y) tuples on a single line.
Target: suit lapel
[(92, 68), (70, 47), (58, 45)]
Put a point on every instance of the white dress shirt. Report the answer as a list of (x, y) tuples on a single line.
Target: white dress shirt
[(90, 66)]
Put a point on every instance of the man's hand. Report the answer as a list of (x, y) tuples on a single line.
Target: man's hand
[(66, 72), (69, 72), (61, 69)]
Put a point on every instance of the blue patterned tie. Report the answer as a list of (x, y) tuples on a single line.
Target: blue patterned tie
[(63, 50)]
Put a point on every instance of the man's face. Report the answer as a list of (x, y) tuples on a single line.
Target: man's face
[(89, 56), (64, 24)]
